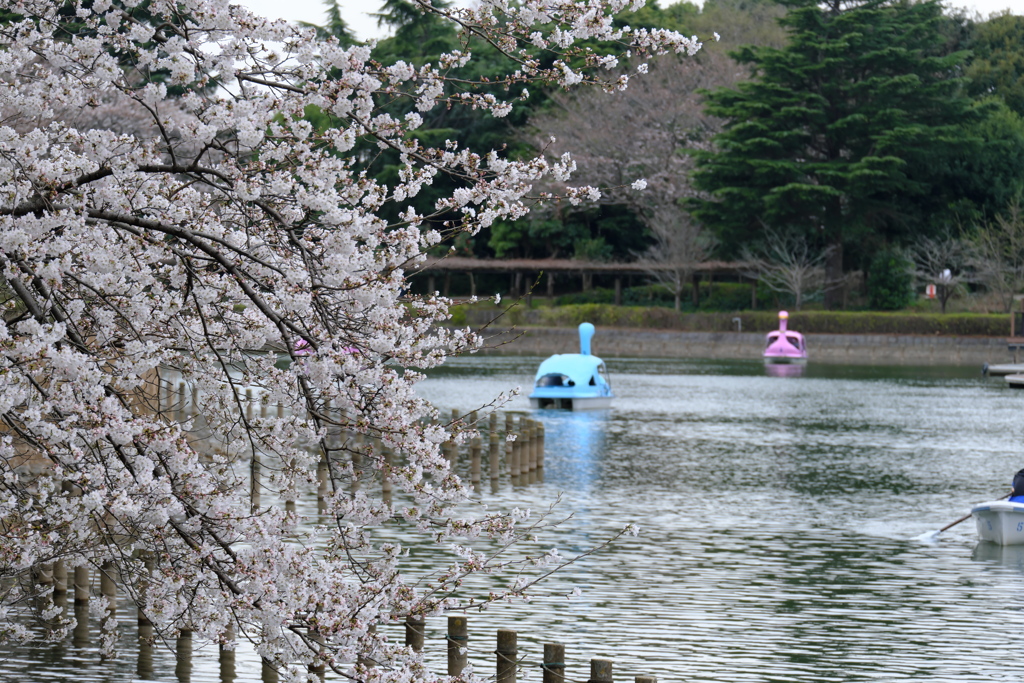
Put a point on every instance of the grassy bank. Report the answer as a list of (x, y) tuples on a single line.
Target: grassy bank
[(808, 322)]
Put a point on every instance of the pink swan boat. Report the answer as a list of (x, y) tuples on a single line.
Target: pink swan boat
[(785, 346)]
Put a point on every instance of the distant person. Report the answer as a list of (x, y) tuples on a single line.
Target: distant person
[(1017, 492)]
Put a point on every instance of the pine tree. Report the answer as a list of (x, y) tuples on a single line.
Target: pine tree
[(840, 133)]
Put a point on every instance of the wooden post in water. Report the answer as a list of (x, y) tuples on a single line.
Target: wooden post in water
[(388, 454), (519, 462), (81, 585), (60, 578), (322, 475), (458, 641), (540, 445), (645, 679), (508, 656), (45, 577), (451, 448), (357, 461), (475, 450), (268, 674), (531, 449), (509, 445), (414, 628), (226, 655), (364, 660), (254, 463), (180, 415), (140, 606), (554, 663), (144, 667), (108, 588), (318, 668), (492, 423), (289, 505), (495, 456), (183, 656), (600, 671)]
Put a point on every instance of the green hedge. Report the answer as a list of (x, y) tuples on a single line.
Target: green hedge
[(810, 322)]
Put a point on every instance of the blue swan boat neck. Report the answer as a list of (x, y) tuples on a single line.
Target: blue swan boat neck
[(573, 381)]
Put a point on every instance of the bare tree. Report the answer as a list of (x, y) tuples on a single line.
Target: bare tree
[(788, 263), (997, 254), (680, 244), (944, 261), (635, 145)]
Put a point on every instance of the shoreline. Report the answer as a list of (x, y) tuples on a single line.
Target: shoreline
[(872, 349)]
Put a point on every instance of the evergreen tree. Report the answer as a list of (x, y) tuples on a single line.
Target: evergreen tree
[(840, 133), (336, 26), (997, 66)]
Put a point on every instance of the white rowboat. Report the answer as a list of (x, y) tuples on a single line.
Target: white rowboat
[(1000, 521)]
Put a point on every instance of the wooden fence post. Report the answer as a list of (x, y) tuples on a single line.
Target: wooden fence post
[(60, 578), (509, 445), (357, 461), (554, 663), (317, 667), (254, 463), (81, 585), (226, 655), (180, 414), (645, 679), (322, 475), (108, 588), (508, 656), (415, 625), (268, 674), (495, 456), (289, 505), (458, 641), (600, 671), (475, 449), (365, 660), (388, 454), (531, 448), (540, 445), (183, 656), (143, 619)]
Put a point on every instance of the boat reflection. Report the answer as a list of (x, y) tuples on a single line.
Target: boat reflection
[(1011, 556), (575, 443), (784, 369)]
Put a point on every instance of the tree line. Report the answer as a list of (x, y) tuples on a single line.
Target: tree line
[(840, 134)]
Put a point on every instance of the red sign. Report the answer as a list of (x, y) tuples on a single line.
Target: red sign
[(930, 291)]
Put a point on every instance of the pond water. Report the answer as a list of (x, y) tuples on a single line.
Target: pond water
[(781, 530)]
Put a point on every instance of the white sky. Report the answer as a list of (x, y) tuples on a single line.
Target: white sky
[(356, 12)]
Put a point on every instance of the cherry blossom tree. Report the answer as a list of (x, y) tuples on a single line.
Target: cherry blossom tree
[(167, 211)]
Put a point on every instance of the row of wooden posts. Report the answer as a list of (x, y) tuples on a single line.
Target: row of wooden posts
[(520, 459), (510, 662)]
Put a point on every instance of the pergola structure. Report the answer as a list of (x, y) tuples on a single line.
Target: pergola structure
[(528, 269)]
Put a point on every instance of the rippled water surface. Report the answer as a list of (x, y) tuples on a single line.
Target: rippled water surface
[(781, 523)]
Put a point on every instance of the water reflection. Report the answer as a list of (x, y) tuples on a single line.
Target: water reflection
[(579, 440), (1011, 556), (784, 369)]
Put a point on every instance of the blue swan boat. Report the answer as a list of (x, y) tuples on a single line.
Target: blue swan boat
[(573, 381)]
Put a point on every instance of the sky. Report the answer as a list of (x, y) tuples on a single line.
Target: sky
[(356, 12)]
